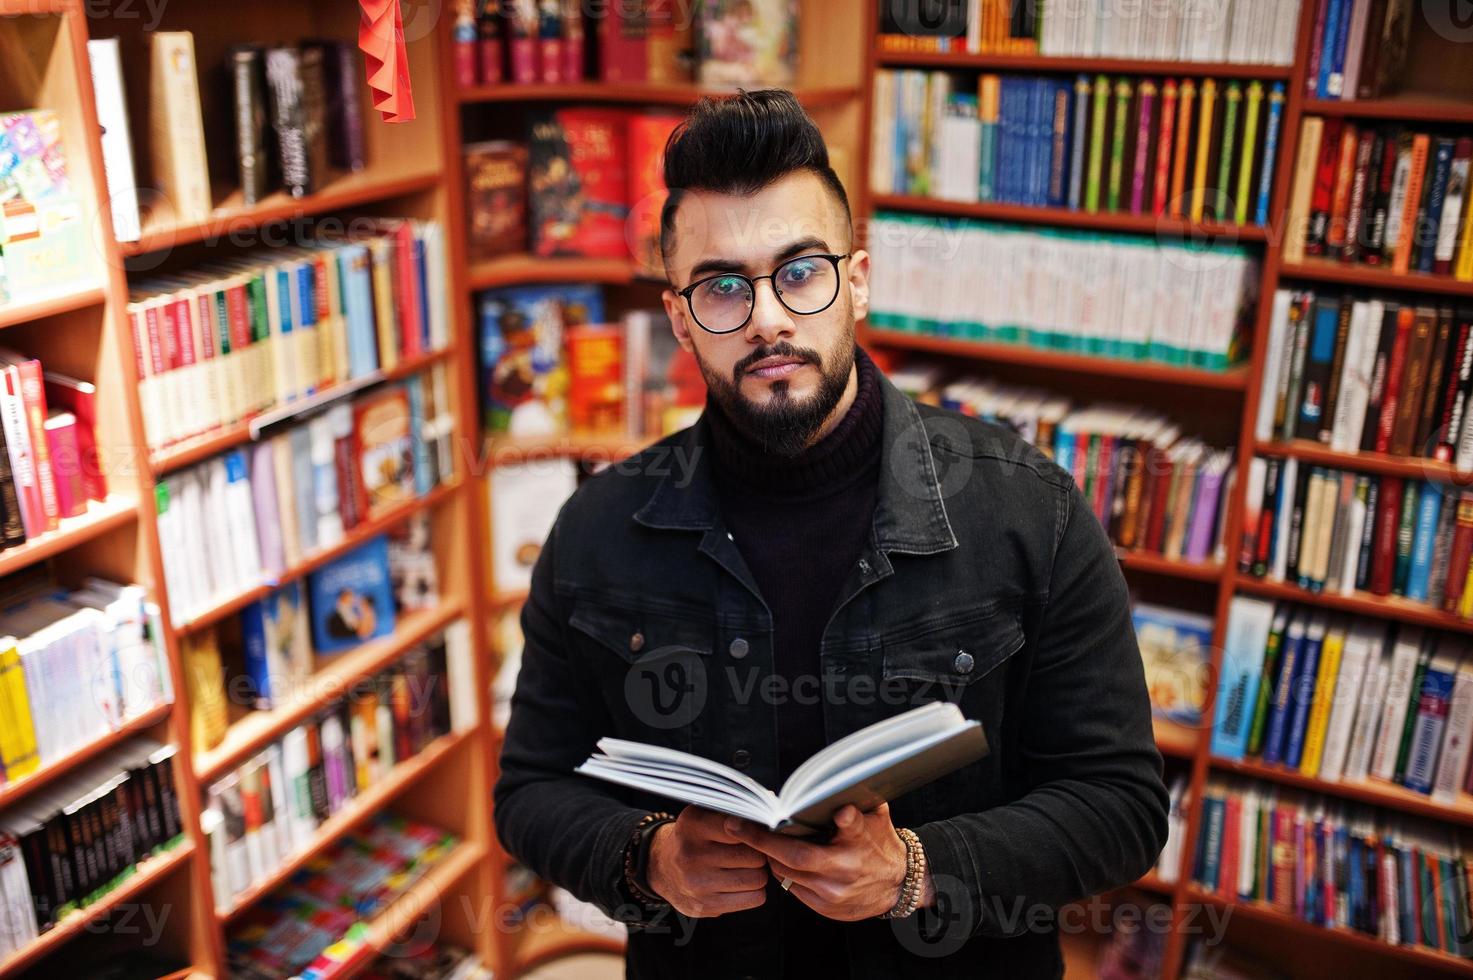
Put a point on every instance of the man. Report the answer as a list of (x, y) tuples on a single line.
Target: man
[(815, 554)]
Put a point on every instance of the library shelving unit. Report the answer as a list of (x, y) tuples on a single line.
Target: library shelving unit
[(1437, 89), (829, 84), (85, 333)]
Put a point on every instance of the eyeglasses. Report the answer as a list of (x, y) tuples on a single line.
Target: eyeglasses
[(805, 285)]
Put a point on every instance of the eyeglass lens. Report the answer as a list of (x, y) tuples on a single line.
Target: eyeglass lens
[(804, 285)]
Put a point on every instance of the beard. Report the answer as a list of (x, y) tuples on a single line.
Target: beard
[(784, 425)]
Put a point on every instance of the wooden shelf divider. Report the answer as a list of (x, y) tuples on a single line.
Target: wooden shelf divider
[(636, 93), (100, 518), (14, 791), (1034, 63), (77, 298), (1162, 227)]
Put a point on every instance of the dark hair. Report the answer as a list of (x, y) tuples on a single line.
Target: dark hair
[(739, 145)]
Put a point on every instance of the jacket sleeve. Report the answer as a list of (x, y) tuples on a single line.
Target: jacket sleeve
[(567, 828), (1095, 814)]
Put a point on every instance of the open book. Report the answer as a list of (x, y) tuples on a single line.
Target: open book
[(867, 768)]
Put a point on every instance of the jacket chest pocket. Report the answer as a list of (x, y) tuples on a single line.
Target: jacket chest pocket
[(652, 670), (955, 660)]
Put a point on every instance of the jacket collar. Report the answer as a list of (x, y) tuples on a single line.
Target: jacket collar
[(910, 515)]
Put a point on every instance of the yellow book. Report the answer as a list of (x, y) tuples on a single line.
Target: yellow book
[(382, 252), (1186, 101), (1324, 700), (1311, 130), (1204, 146), (205, 679), (1465, 607), (17, 731), (1250, 144), (1463, 267)]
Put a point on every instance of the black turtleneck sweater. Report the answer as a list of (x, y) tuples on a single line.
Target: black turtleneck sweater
[(800, 523)]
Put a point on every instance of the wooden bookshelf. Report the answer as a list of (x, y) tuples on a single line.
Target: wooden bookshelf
[(637, 93), (1380, 464), (66, 301), (1038, 63), (1166, 227), (1145, 561), (1360, 603), (519, 270), (14, 791), (101, 518), (1374, 278), (1403, 107), (593, 446), (1375, 792)]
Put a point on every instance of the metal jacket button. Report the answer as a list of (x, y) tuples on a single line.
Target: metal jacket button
[(739, 648), (963, 662), (636, 642), (741, 758)]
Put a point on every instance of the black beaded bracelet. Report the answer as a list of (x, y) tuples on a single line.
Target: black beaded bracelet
[(634, 859)]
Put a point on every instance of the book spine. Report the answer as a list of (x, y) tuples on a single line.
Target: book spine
[(1186, 103), (1427, 232), (1164, 142), (1252, 108), (1453, 207)]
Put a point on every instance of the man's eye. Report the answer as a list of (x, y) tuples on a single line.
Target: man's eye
[(726, 286), (799, 273)]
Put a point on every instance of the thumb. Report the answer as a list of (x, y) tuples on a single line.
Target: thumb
[(849, 822)]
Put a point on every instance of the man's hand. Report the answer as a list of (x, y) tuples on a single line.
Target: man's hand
[(701, 869), (856, 875)]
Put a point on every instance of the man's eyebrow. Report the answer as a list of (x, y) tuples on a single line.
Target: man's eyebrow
[(714, 265)]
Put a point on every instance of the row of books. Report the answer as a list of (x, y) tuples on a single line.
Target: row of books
[(42, 248), (270, 806), (249, 515), (1358, 48), (1247, 31), (589, 182), (428, 961), (223, 342), (1151, 487), (318, 921), (656, 41), (314, 109), (1369, 375), (1334, 864), (551, 362), (1043, 142), (1382, 196), (1338, 532), (1346, 698), (63, 849), (75, 664), (1111, 295), (49, 468)]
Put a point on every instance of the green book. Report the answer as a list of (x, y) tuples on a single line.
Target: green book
[(1250, 140), (1096, 144), (1232, 101), (1259, 725), (1406, 532), (1123, 90), (1409, 724)]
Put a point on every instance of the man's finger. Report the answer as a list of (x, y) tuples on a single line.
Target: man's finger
[(850, 823), (722, 903), (789, 850), (719, 855), (739, 880)]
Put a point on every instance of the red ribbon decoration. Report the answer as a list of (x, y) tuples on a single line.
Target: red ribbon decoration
[(381, 39)]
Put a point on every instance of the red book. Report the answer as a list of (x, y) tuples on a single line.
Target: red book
[(22, 458), (352, 499), (406, 284), (577, 173), (80, 399), (1282, 860), (1164, 146), (1395, 368), (1459, 553), (1323, 198), (622, 48), (1335, 234), (66, 464), (1159, 505), (33, 398), (1227, 873), (1388, 517)]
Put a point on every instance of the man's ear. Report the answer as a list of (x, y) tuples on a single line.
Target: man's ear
[(859, 283), (679, 319)]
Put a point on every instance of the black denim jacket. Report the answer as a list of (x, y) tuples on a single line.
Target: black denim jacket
[(986, 580)]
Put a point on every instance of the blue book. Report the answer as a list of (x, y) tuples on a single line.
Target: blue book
[(1355, 883), (284, 285), (356, 271), (352, 598), (1082, 89), (1429, 508), (898, 183), (1327, 45), (1060, 151), (421, 291), (1249, 622), (1280, 711), (1270, 151), (1006, 172), (1432, 710), (1040, 130), (1306, 671), (307, 309), (1441, 170), (1336, 88), (424, 478), (1211, 862), (1311, 417), (268, 637)]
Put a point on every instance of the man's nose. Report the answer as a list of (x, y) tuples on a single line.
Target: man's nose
[(770, 318)]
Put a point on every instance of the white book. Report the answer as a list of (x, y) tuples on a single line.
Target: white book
[(1248, 840), (1355, 525), (459, 676), (214, 532), (1368, 712), (1354, 388), (295, 764), (866, 768), (1354, 657), (1452, 764), (1274, 366), (117, 144), (1288, 478), (282, 817), (177, 129), (194, 531), (329, 520), (1398, 697), (882, 135), (240, 505)]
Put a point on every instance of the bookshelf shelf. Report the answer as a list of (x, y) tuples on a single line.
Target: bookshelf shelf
[(1405, 107), (1374, 792), (1233, 379), (553, 938), (235, 222), (611, 446), (1408, 467), (326, 685), (1370, 277), (413, 904), (100, 518), (1174, 739), (148, 873), (370, 528), (1163, 227), (200, 448), (510, 270), (1151, 882), (636, 93), (1417, 956), (17, 790), (1053, 63), (364, 805), (14, 314), (1362, 603), (1144, 561)]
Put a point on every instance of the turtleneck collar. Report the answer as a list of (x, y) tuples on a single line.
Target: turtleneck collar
[(848, 451)]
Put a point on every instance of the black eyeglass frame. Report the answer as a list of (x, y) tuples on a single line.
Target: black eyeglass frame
[(752, 282)]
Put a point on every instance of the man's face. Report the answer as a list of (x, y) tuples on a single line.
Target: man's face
[(781, 376)]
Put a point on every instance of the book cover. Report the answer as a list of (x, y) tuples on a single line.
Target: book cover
[(578, 183), (751, 42), (1160, 188), (648, 133), (1296, 235), (1428, 228), (1175, 647), (105, 60), (1453, 207), (522, 342), (1410, 211), (351, 599), (1433, 708), (176, 127), (253, 159), (1249, 622), (289, 119), (384, 445), (1270, 151), (496, 177)]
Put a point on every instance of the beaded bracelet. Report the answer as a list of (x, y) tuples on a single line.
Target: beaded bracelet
[(631, 851), (914, 885)]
